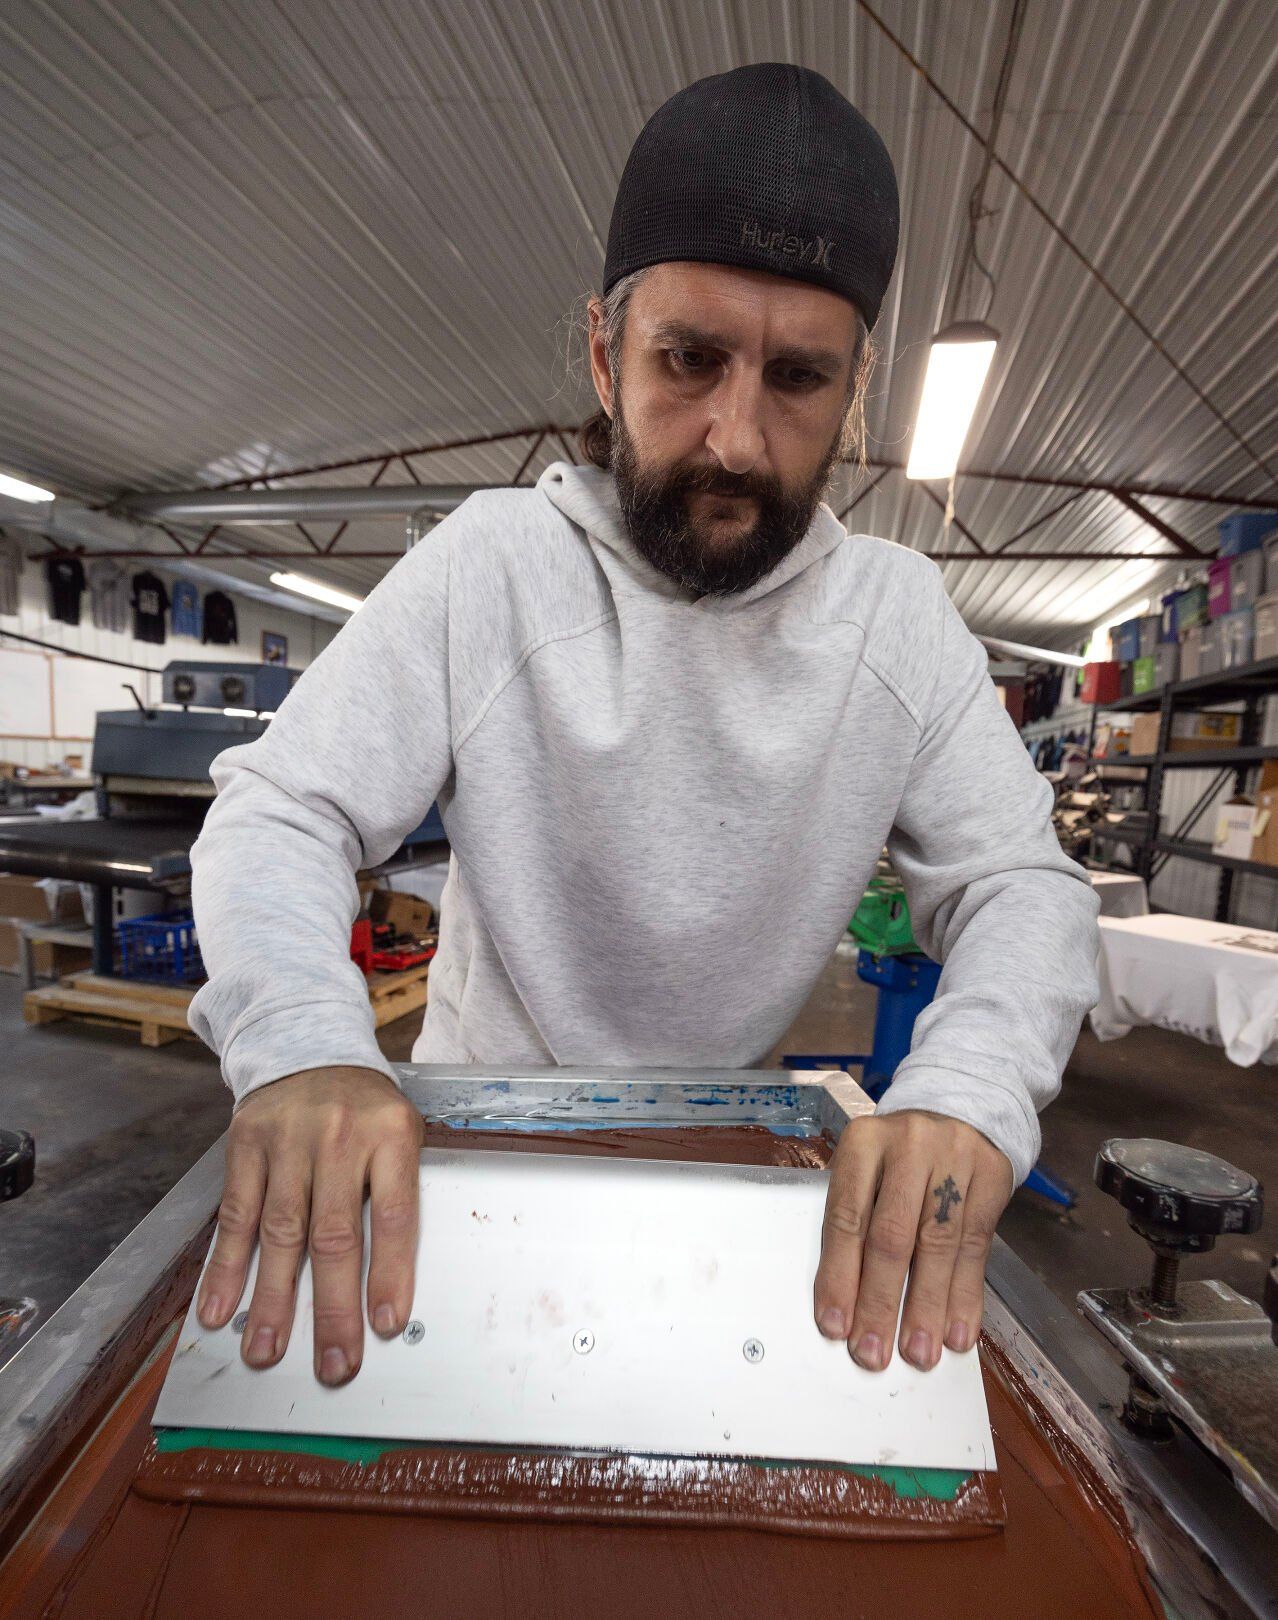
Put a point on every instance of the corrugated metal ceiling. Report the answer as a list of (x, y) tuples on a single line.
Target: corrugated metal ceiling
[(238, 237)]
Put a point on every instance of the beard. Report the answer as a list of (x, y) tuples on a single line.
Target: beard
[(705, 557)]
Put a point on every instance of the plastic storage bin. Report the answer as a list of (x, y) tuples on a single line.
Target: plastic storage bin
[(1265, 629), (1235, 638), (1245, 531), (1100, 682), (1166, 663), (160, 947), (1246, 580), (1127, 641), (1209, 648), (1271, 564), (1219, 574), (1150, 630), (1191, 653), (1191, 608), (1168, 629), (1143, 678)]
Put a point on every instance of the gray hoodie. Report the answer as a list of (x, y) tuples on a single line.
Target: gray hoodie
[(662, 811)]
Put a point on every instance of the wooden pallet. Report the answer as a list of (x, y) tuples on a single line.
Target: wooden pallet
[(159, 1010)]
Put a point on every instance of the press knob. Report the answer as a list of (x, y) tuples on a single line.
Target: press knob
[(1179, 1199), (17, 1163)]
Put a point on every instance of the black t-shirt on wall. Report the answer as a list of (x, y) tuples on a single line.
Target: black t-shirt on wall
[(65, 576), (219, 619), (150, 604)]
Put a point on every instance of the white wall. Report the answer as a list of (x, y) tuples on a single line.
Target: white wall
[(104, 686)]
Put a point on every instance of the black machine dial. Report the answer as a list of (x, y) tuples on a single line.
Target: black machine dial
[(232, 689), (184, 688), (17, 1163), (1178, 1196)]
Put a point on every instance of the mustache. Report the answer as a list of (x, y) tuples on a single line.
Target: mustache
[(715, 481)]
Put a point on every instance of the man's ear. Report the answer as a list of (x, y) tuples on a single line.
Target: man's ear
[(599, 373)]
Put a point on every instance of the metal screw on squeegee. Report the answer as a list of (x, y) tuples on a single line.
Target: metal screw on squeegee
[(752, 1350), (583, 1341), (415, 1332)]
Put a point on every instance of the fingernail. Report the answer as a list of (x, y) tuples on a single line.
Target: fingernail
[(959, 1339), (210, 1310), (919, 1348), (832, 1323), (869, 1351), (262, 1347), (333, 1367), (384, 1319)]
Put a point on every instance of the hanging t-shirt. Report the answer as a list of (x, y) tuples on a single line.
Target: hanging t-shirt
[(186, 609), (109, 596), (65, 577), (150, 602), (219, 619), (11, 560)]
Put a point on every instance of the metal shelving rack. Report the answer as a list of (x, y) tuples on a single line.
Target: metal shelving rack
[(1250, 684)]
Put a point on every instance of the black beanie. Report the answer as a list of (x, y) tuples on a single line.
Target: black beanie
[(766, 167)]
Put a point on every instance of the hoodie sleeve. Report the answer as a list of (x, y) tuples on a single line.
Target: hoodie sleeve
[(994, 899), (353, 760)]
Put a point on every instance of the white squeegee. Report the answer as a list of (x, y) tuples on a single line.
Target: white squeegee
[(593, 1304)]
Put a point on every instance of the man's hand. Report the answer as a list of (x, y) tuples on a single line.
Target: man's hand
[(299, 1155), (913, 1192)]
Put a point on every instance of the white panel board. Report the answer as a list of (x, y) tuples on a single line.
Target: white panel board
[(25, 704), (81, 687), (678, 1274)]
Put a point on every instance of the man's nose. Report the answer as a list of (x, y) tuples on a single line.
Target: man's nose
[(736, 432)]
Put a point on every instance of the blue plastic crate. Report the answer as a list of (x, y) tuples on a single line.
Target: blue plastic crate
[(1245, 531), (161, 947)]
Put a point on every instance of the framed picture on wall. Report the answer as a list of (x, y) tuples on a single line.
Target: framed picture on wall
[(274, 648)]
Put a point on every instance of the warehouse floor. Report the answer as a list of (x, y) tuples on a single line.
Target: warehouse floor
[(116, 1124)]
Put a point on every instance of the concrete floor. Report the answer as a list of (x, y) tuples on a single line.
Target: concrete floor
[(117, 1123)]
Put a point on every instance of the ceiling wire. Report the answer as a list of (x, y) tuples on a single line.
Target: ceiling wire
[(1063, 236)]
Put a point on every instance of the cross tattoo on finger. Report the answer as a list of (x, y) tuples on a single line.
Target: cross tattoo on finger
[(946, 1195)]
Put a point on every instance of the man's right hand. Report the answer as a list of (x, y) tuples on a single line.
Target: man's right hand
[(300, 1154)]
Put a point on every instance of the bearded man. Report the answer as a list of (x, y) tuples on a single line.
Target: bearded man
[(671, 712)]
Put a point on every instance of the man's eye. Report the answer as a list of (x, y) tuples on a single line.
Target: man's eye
[(800, 377), (687, 359)]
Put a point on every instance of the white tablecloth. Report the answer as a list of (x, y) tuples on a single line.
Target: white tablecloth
[(1122, 894), (1187, 974)]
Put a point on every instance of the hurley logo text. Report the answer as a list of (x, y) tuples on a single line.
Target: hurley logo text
[(815, 251)]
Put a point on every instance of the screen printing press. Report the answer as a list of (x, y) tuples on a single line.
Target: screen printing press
[(151, 770), (612, 1398)]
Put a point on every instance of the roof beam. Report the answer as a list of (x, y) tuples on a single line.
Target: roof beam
[(1156, 523)]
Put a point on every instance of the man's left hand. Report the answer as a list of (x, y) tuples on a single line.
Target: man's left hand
[(911, 1192)]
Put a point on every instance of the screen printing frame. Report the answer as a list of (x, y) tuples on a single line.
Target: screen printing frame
[(1200, 1539)]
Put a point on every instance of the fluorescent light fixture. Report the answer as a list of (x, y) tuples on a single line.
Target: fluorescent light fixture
[(320, 593), (241, 714), (1033, 655), (956, 368), (22, 491)]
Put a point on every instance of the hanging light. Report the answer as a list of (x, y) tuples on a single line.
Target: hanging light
[(20, 490), (318, 591), (956, 368)]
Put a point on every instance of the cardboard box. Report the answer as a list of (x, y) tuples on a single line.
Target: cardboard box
[(408, 914), (1192, 733), (1264, 846), (1145, 733), (1236, 829), (23, 898)]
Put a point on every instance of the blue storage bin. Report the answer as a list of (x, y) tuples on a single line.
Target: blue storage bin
[(1245, 531), (1126, 638), (1169, 629), (162, 947)]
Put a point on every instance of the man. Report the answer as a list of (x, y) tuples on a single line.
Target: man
[(671, 711)]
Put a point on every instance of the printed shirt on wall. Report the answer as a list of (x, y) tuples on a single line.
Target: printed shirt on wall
[(11, 561), (186, 609), (150, 603), (65, 577), (219, 619), (109, 596)]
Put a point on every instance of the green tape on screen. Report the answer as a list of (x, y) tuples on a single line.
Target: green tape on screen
[(940, 1484)]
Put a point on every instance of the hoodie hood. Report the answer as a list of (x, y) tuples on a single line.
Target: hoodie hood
[(587, 496)]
